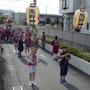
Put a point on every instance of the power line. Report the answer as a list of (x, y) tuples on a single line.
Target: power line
[(9, 3), (53, 8), (23, 7)]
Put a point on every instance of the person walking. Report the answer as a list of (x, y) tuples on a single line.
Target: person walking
[(64, 63), (20, 46), (32, 65), (55, 44), (43, 40)]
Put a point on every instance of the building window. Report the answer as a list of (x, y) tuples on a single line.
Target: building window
[(65, 4), (87, 26)]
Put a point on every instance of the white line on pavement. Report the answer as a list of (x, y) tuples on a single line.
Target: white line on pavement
[(43, 56)]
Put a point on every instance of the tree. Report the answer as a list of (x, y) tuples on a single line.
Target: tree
[(25, 22), (19, 21), (52, 23), (2, 18), (48, 20), (60, 23), (56, 20)]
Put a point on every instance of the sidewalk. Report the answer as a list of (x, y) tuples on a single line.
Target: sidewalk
[(13, 75)]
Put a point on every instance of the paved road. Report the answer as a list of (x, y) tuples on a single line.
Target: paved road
[(47, 76)]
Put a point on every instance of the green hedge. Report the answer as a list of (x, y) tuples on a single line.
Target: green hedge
[(74, 51)]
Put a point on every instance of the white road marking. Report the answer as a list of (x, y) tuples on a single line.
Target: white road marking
[(21, 87), (37, 51), (43, 56), (13, 88), (14, 51), (17, 88)]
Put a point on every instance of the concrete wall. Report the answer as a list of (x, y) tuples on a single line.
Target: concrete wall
[(79, 40)]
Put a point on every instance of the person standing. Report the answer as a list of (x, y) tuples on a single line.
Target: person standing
[(55, 44), (43, 40), (27, 42), (1, 46), (64, 64), (15, 40), (32, 65), (6, 33), (3, 35), (9, 34), (35, 41), (20, 46)]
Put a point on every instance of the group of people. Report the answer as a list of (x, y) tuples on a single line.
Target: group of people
[(20, 38)]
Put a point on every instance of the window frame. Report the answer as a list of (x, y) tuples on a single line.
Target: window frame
[(65, 4)]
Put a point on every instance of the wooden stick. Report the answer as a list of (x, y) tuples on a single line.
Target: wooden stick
[(70, 45), (33, 36)]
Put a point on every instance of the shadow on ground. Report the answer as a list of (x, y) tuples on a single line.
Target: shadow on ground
[(23, 60), (4, 83), (42, 61), (34, 87), (70, 86)]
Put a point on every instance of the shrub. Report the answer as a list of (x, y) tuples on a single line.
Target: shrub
[(41, 24)]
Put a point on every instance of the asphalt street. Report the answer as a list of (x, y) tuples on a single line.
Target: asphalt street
[(48, 73)]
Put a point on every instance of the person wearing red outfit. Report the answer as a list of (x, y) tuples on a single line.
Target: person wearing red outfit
[(0, 45), (3, 34), (15, 40), (35, 41), (9, 34), (55, 44), (32, 65), (43, 40), (27, 42)]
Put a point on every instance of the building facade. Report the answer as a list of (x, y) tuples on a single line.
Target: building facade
[(68, 8), (51, 16), (7, 13), (20, 17)]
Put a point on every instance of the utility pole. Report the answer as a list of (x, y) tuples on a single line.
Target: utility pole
[(46, 9)]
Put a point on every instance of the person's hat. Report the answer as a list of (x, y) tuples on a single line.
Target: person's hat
[(35, 35), (64, 46)]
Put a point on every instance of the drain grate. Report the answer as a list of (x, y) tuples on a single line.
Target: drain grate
[(17, 88)]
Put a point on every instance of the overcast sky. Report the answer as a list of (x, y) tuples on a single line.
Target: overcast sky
[(21, 5)]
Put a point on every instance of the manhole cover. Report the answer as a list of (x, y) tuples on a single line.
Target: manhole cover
[(17, 88)]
